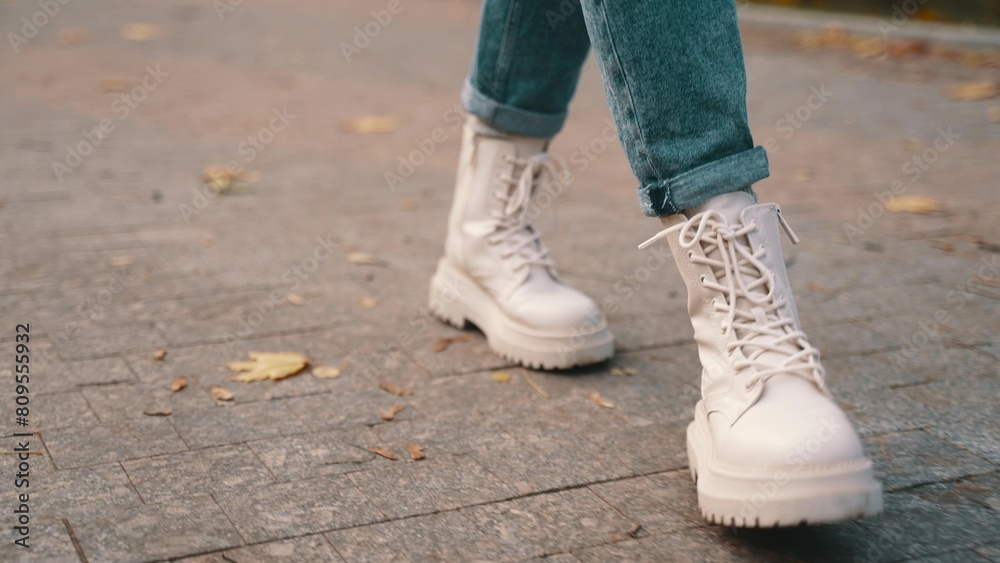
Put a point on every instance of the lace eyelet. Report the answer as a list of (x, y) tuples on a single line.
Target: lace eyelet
[(690, 254), (703, 279)]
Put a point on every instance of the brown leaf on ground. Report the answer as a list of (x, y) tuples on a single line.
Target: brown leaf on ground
[(914, 204), (369, 124), (295, 299), (383, 452), (942, 245), (819, 288), (993, 114), (500, 376), (622, 371), (328, 372), (178, 383), (366, 301), (269, 365), (972, 91), (159, 354), (416, 451), (600, 401), (164, 412), (535, 386), (907, 48), (73, 36), (221, 393), (390, 388), (391, 412), (983, 280), (113, 84), (141, 31), (120, 261), (443, 344), (362, 258)]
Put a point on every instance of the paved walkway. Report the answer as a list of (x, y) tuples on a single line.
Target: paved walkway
[(114, 249)]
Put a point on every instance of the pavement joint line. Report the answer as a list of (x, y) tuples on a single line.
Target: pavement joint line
[(75, 540)]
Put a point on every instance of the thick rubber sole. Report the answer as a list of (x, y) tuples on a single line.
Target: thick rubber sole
[(779, 498), (457, 299)]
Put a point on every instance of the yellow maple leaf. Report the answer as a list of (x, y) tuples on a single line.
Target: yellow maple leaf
[(269, 365), (913, 204), (369, 124)]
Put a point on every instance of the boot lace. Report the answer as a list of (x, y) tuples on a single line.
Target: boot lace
[(752, 310), (513, 228)]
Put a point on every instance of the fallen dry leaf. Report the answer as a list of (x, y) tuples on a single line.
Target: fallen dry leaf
[(366, 301), (362, 258), (622, 371), (269, 365), (443, 344), (913, 204), (600, 401), (802, 175), (993, 114), (221, 393), (119, 261), (500, 376), (159, 355), (391, 412), (113, 84), (971, 91), (535, 386), (178, 383), (369, 124), (818, 288), (140, 31), (383, 452), (327, 372), (390, 388), (72, 36), (942, 245), (164, 412), (295, 299), (416, 451), (983, 280), (220, 178)]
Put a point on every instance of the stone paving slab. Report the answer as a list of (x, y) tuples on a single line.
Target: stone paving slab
[(108, 267)]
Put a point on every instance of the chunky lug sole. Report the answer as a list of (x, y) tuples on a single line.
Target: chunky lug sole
[(792, 496), (456, 299)]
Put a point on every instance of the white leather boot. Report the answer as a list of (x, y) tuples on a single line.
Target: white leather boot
[(496, 272), (768, 446)]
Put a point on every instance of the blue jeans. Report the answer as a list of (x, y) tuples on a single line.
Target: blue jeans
[(673, 75)]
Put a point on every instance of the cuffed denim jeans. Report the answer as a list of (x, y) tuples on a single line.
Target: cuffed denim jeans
[(673, 75)]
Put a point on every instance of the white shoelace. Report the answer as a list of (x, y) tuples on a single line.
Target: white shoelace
[(759, 325), (513, 225)]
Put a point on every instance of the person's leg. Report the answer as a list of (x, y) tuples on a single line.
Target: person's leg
[(674, 78), (496, 272), (768, 445), (527, 65)]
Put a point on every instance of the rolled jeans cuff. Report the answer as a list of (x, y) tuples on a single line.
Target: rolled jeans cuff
[(733, 173), (509, 119)]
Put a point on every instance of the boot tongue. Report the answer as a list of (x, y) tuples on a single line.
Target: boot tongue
[(731, 206)]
